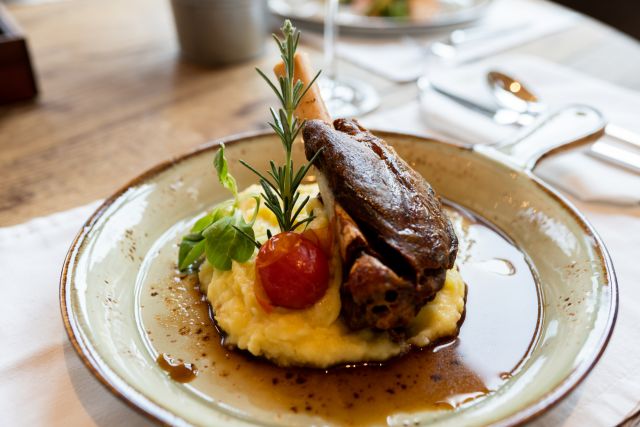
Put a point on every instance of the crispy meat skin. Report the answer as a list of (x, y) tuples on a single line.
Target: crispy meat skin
[(369, 280), (400, 242)]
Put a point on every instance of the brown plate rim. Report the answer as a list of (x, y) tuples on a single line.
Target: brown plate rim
[(154, 410)]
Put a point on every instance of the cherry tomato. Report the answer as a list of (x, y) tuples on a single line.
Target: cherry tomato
[(292, 271), (321, 237)]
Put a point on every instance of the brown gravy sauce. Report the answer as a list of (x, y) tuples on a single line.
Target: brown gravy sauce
[(501, 324), (177, 369)]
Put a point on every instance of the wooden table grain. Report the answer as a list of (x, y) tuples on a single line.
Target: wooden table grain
[(116, 98)]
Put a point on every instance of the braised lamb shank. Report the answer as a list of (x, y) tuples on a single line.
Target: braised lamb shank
[(395, 241)]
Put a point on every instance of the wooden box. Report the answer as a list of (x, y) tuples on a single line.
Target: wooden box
[(17, 80)]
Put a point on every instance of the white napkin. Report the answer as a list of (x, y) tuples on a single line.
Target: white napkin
[(574, 172), (403, 59), (42, 381)]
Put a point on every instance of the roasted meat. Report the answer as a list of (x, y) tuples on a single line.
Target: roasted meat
[(395, 241)]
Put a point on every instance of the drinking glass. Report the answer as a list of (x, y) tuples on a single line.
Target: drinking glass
[(344, 96)]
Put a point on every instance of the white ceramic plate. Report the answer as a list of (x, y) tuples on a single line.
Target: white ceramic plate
[(310, 13), (125, 249)]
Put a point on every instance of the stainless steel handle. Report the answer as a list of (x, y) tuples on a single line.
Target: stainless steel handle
[(529, 160)]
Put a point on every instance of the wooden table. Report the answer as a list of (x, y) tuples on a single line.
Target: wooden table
[(116, 98)]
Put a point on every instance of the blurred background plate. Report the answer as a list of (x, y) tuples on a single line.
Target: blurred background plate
[(447, 13)]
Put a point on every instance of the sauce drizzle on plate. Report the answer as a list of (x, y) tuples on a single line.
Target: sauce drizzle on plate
[(177, 369)]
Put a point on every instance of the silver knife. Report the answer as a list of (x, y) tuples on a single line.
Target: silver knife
[(501, 116), (602, 150)]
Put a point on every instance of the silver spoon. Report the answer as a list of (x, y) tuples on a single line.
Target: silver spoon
[(514, 95)]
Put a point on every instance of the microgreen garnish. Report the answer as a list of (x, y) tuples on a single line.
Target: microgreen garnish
[(223, 241), (280, 184), (221, 235), (225, 178)]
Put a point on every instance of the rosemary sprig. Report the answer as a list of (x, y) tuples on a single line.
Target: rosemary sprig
[(280, 183)]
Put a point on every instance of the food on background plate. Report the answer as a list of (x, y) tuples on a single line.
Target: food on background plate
[(359, 266), (416, 10)]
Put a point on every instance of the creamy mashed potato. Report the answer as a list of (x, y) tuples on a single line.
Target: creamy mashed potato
[(315, 336)]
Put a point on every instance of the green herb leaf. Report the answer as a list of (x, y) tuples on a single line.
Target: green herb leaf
[(202, 223), (192, 245), (187, 255), (223, 242), (244, 251), (255, 210), (248, 237), (190, 252), (251, 237), (227, 181), (226, 208)]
